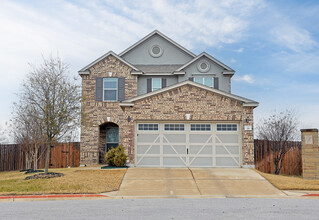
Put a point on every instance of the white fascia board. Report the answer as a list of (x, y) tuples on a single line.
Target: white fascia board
[(228, 72), (179, 72), (251, 104), (125, 104), (137, 73), (84, 72)]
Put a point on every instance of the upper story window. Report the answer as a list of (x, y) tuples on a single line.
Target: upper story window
[(156, 84), (110, 89), (207, 81)]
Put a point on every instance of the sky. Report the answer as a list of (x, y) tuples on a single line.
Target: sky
[(272, 45)]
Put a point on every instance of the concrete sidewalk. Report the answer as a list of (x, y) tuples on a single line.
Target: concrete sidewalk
[(196, 182)]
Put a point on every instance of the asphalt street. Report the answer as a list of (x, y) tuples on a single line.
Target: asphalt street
[(229, 208)]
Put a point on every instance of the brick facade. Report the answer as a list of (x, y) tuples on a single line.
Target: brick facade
[(171, 105)]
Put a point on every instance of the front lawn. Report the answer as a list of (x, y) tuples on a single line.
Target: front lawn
[(75, 180), (290, 182)]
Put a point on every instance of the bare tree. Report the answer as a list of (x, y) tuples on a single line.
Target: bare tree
[(28, 132), (53, 103), (3, 136), (279, 128)]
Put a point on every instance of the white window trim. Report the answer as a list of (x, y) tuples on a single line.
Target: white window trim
[(203, 81), (117, 90), (227, 130), (138, 127), (174, 130), (160, 79)]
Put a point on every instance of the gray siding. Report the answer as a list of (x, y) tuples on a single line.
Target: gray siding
[(142, 82), (214, 71), (171, 54)]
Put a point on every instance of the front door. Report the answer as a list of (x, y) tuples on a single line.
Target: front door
[(112, 137)]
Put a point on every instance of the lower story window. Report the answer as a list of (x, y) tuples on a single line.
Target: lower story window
[(226, 127)]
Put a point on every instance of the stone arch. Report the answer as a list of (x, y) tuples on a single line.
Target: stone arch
[(108, 138)]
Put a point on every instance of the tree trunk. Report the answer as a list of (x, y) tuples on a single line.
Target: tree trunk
[(47, 160), (35, 158)]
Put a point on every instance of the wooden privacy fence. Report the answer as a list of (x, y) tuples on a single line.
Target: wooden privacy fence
[(292, 161), (12, 156)]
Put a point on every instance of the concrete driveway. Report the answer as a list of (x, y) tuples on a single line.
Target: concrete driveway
[(195, 182)]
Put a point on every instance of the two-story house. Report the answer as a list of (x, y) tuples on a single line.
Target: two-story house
[(166, 106)]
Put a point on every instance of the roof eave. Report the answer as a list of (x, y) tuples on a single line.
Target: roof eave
[(85, 69), (251, 104)]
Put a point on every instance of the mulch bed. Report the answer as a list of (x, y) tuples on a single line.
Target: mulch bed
[(112, 167), (45, 176)]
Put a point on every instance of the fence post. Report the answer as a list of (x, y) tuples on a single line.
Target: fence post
[(310, 153)]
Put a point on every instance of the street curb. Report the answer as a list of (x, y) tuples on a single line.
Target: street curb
[(53, 196), (311, 195)]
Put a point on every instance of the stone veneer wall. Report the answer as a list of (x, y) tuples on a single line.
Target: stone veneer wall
[(171, 105), (310, 153)]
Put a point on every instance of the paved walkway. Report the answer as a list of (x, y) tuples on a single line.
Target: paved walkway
[(177, 182)]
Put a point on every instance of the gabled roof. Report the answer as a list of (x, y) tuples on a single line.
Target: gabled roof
[(246, 102), (85, 69), (163, 36), (229, 70)]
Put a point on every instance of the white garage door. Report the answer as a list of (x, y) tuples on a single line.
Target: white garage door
[(188, 145)]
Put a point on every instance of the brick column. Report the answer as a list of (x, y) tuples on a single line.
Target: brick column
[(310, 153)]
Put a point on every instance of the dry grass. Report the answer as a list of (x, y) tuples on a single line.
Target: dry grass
[(290, 182), (75, 180)]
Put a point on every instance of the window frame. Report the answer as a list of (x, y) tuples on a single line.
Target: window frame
[(204, 79), (200, 127), (226, 127), (174, 125), (143, 124), (111, 89), (160, 84)]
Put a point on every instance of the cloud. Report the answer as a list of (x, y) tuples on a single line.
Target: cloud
[(240, 50), (245, 78), (293, 38)]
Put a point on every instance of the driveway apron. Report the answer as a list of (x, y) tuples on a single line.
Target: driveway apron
[(171, 182)]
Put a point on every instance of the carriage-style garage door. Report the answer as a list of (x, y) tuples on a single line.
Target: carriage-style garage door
[(188, 145)]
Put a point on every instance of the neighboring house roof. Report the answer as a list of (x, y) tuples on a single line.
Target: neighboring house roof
[(246, 102), (163, 36), (85, 70), (228, 69), (158, 68)]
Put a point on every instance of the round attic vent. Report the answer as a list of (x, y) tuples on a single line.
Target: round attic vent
[(203, 66), (156, 51)]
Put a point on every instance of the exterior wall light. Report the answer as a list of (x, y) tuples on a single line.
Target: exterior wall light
[(108, 118), (247, 119), (129, 118), (110, 74), (188, 116)]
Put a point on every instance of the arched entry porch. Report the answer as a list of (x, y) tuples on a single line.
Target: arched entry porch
[(108, 138)]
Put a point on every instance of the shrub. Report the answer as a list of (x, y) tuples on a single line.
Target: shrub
[(116, 157)]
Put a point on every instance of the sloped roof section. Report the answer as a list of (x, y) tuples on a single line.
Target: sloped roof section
[(245, 101), (163, 36), (85, 70), (227, 68)]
